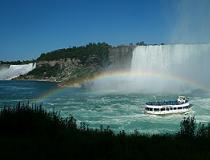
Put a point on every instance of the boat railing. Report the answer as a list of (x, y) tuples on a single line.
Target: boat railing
[(165, 103), (167, 108)]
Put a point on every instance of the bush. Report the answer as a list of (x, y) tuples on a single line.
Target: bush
[(29, 131), (187, 127)]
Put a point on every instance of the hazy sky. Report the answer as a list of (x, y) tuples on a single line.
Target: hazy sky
[(30, 27)]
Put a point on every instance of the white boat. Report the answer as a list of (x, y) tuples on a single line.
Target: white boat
[(181, 105)]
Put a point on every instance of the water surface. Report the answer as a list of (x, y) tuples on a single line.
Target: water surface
[(120, 111)]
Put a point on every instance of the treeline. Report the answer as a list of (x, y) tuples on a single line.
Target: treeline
[(99, 51), (142, 43), (30, 132), (18, 62)]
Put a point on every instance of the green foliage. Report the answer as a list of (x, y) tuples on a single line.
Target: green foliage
[(99, 51), (90, 59), (83, 72), (30, 132), (188, 126), (45, 71), (17, 62), (29, 120), (142, 43)]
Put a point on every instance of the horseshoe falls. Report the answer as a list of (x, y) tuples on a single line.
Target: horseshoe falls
[(168, 69), (172, 67)]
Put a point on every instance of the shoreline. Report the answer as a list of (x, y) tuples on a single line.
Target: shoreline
[(58, 83)]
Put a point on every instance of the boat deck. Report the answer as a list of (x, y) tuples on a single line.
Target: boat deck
[(164, 103)]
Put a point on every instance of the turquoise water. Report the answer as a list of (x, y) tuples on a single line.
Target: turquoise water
[(120, 111)]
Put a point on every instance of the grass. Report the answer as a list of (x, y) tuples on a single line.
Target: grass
[(30, 132)]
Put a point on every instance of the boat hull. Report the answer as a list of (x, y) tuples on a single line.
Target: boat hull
[(171, 109)]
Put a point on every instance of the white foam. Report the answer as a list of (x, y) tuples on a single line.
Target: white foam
[(16, 70)]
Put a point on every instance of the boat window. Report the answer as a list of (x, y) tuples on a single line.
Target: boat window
[(167, 109), (156, 109), (162, 109), (148, 109), (174, 108), (179, 107)]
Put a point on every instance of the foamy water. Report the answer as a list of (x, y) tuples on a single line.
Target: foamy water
[(120, 111)]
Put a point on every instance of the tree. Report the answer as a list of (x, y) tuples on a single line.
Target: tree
[(141, 43), (187, 127), (202, 131)]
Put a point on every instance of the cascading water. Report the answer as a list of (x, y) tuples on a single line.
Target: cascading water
[(178, 68), (172, 67), (16, 70)]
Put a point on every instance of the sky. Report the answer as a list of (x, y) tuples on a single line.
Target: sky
[(31, 27)]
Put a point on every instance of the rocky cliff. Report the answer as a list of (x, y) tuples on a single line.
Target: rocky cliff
[(62, 70), (74, 69), (4, 66), (120, 57)]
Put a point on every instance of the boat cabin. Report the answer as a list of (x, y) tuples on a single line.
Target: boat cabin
[(182, 99), (165, 107)]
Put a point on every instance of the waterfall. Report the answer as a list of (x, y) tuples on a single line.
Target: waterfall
[(165, 69), (15, 70), (172, 67)]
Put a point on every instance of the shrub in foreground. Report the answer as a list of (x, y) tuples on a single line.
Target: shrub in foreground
[(30, 132)]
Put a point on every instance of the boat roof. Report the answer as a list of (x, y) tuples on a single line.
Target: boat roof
[(182, 97)]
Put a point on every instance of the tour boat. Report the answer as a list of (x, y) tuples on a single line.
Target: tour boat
[(181, 105)]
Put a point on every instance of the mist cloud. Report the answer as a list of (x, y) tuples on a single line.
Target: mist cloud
[(192, 24)]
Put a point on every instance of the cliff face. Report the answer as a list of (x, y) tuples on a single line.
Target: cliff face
[(4, 66), (73, 69), (57, 70), (120, 57), (63, 70)]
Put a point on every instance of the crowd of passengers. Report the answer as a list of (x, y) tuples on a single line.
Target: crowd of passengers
[(164, 103)]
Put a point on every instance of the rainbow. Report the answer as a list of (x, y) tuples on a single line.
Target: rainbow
[(123, 74)]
